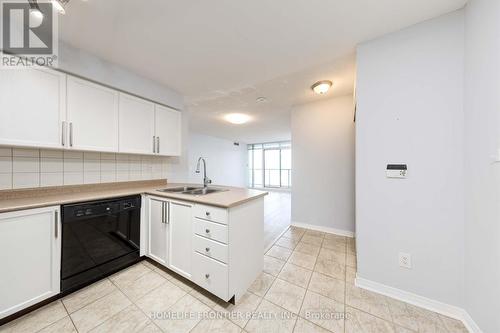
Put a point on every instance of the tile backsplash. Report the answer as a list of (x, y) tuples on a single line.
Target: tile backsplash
[(28, 168)]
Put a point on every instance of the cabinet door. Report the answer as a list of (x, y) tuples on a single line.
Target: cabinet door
[(32, 107), (93, 115), (168, 130), (136, 125), (180, 240), (158, 231), (30, 253)]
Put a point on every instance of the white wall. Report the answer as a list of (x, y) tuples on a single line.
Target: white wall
[(226, 163), (482, 137), (79, 62), (410, 110), (323, 164)]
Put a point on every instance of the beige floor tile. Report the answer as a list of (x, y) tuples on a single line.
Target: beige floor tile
[(279, 252), (85, 296), (241, 312), (99, 311), (323, 311), (331, 268), (262, 284), (368, 301), (37, 320), (160, 299), (216, 326), (296, 275), (143, 285), (453, 325), (272, 265), (130, 274), (183, 316), (287, 243), (151, 328), (304, 326), (312, 239), (302, 260), (64, 325), (314, 233), (351, 260), (350, 275), (427, 321), (337, 238), (309, 249), (294, 234), (327, 254), (131, 319), (357, 321), (270, 318), (328, 286), (149, 264), (400, 329), (182, 283), (335, 245), (204, 296), (286, 295)]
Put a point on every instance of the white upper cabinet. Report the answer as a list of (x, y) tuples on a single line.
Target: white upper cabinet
[(92, 115), (32, 107), (136, 125), (168, 131)]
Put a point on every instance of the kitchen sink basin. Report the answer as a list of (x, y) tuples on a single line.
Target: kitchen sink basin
[(180, 189), (192, 190)]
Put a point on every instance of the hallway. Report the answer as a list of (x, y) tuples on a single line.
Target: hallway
[(277, 216)]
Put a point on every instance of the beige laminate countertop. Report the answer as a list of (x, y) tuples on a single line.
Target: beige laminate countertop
[(44, 197)]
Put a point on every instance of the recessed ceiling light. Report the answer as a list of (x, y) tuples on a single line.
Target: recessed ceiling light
[(322, 87), (237, 118)]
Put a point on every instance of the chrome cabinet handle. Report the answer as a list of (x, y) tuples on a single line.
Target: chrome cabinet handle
[(157, 144), (207, 213), (154, 144), (71, 134), (207, 276), (56, 226), (162, 212), (63, 139), (207, 249), (167, 212), (207, 231)]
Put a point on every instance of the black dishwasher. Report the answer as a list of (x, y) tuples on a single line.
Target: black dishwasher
[(98, 239)]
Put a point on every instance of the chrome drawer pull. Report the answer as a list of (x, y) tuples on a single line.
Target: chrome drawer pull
[(207, 231), (207, 249), (207, 213), (207, 276)]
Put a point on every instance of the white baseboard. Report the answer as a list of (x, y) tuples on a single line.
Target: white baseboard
[(329, 230), (420, 301)]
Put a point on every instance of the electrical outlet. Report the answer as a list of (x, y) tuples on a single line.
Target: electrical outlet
[(405, 260)]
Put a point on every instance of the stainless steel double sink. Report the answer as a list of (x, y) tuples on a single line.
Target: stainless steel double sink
[(192, 190)]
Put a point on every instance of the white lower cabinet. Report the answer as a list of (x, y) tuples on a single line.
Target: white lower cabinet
[(169, 235), (30, 256), (221, 250)]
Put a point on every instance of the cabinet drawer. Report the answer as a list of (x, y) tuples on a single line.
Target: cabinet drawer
[(210, 275), (210, 248), (210, 230), (210, 213)]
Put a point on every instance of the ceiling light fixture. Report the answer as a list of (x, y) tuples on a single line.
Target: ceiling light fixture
[(322, 87), (237, 118)]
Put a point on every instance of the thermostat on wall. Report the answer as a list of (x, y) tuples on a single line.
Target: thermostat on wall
[(396, 170)]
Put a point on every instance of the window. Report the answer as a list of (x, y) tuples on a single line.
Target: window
[(270, 165)]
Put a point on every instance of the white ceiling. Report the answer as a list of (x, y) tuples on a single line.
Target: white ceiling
[(222, 55)]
